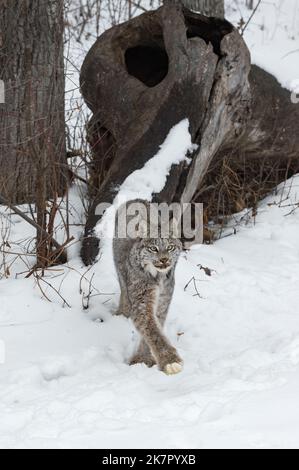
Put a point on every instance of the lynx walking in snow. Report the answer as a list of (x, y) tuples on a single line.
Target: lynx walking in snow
[(145, 268)]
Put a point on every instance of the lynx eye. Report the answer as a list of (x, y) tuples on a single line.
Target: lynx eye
[(153, 249), (171, 248)]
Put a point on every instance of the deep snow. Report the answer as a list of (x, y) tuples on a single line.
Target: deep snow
[(65, 381)]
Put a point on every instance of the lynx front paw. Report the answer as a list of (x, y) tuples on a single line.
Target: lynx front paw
[(170, 362), (174, 368)]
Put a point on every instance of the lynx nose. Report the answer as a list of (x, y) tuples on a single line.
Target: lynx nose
[(164, 260)]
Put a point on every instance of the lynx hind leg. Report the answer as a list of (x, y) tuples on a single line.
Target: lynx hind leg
[(143, 355), (123, 307)]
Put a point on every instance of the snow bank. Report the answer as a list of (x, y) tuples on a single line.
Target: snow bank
[(65, 381)]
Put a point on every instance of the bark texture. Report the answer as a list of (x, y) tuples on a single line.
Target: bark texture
[(32, 129)]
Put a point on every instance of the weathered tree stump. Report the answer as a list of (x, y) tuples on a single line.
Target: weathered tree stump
[(144, 76)]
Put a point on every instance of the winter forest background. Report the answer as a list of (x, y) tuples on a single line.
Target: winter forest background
[(64, 379)]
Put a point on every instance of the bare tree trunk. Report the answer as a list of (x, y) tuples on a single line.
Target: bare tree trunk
[(32, 129), (206, 7)]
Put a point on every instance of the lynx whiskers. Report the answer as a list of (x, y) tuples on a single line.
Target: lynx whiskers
[(145, 268)]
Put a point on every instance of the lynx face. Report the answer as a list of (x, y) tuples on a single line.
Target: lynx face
[(159, 254)]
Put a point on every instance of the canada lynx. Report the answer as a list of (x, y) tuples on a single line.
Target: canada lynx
[(145, 268)]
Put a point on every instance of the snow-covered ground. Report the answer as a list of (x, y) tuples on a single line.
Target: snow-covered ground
[(64, 380)]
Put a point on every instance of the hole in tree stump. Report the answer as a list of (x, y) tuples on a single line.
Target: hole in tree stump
[(147, 64)]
